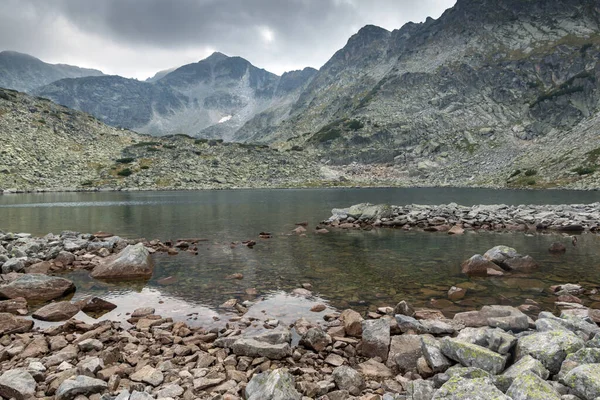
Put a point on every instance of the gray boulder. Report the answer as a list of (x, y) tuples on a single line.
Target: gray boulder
[(80, 385), (420, 390), (60, 311), (348, 379), (375, 338), (14, 265), (509, 259), (253, 348), (316, 339), (584, 380), (133, 262), (526, 364), (529, 386), (458, 388), (472, 355), (405, 351), (276, 385), (17, 384), (37, 287), (550, 348), (432, 353)]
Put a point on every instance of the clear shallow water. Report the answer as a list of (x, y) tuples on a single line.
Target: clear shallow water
[(347, 269)]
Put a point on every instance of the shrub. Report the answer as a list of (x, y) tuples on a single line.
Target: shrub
[(144, 167), (87, 183), (125, 160), (125, 172), (297, 148), (144, 144), (530, 172), (531, 182), (355, 125), (515, 173), (584, 170)]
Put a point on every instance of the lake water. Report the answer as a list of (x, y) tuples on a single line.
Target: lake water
[(356, 269)]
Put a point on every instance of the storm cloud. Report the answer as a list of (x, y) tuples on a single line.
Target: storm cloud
[(137, 38)]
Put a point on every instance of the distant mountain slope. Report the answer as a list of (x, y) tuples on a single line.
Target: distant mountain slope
[(24, 73), (212, 98), (47, 146)]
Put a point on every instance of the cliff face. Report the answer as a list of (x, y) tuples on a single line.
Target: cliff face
[(24, 73)]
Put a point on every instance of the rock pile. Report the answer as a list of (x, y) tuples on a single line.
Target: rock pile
[(454, 219)]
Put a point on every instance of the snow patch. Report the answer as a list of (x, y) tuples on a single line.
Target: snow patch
[(224, 119)]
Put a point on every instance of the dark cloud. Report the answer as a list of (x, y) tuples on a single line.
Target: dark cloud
[(140, 37)]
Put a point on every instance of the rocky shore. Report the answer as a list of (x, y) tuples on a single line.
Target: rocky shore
[(395, 352), (455, 219)]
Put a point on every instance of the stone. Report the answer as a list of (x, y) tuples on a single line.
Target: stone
[(349, 379), (37, 287), (458, 388), (432, 353), (316, 339), (149, 375), (372, 369), (529, 386), (18, 384), (456, 230), (584, 381), (477, 266), (95, 305), (550, 348), (65, 258), (275, 385), (525, 365), (11, 324), (508, 258), (137, 395), (173, 391), (557, 247), (352, 322), (334, 360), (14, 265), (80, 385), (472, 355), (403, 308), (60, 311), (405, 351), (13, 306), (253, 348), (142, 312), (375, 338), (133, 262), (580, 357), (456, 293), (90, 344)]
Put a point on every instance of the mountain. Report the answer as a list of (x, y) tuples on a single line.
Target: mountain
[(51, 147), (489, 88), (23, 72), (212, 98), (160, 74)]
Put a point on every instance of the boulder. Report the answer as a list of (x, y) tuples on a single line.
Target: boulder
[(420, 389), (375, 338), (372, 369), (550, 348), (133, 262), (275, 385), (508, 258), (37, 287), (253, 348), (458, 388), (352, 322), (478, 266), (11, 324), (61, 311), (316, 339), (529, 386), (95, 305), (14, 265), (17, 384), (149, 375), (405, 351), (13, 306), (456, 293), (403, 308), (432, 353), (472, 355), (349, 379), (526, 364), (557, 247), (584, 380), (80, 385)]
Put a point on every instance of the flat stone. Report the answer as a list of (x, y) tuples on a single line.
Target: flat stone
[(149, 375), (60, 311), (37, 287), (253, 348), (12, 324), (13, 306), (472, 355), (17, 384), (372, 369), (80, 385)]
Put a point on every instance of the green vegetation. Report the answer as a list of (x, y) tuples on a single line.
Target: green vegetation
[(531, 182), (200, 141), (42, 121), (355, 124), (144, 167), (564, 89), (145, 144), (153, 149), (169, 146), (585, 48), (584, 170), (125, 160), (530, 172), (125, 172), (296, 148), (87, 183), (515, 173)]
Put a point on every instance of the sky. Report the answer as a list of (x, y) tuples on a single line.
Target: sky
[(137, 38)]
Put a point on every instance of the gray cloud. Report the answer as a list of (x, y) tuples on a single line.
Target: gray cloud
[(139, 37)]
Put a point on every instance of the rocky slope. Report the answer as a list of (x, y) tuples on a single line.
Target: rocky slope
[(24, 73), (47, 146), (487, 89), (211, 98)]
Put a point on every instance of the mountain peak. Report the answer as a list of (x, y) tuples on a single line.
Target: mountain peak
[(216, 57)]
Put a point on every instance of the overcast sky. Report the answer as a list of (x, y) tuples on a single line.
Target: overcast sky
[(137, 38)]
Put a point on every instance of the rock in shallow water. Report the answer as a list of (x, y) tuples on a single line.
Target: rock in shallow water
[(37, 287), (61, 311), (134, 262)]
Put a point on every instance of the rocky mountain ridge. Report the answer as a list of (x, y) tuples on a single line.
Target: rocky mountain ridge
[(211, 98), (23, 72)]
